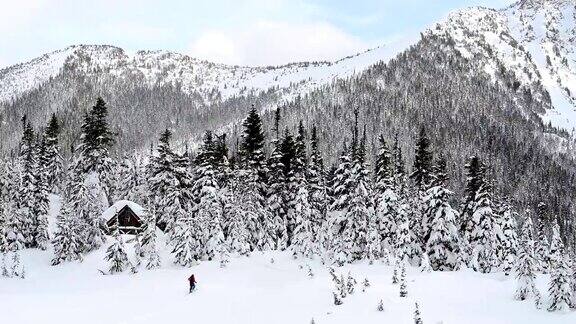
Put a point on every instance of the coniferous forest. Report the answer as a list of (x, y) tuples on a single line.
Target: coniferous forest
[(275, 192)]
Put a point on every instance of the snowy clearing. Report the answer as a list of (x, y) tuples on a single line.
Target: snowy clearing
[(254, 290)]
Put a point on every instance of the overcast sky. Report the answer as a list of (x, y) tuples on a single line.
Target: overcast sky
[(251, 32)]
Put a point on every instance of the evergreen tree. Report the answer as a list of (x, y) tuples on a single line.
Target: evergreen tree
[(186, 246), (403, 285), (252, 145), (167, 184), (276, 200), (83, 199), (422, 162), (443, 242), (474, 180), (97, 139), (318, 190), (26, 221), (67, 244), (53, 166), (148, 241), (483, 236), (208, 211), (386, 197), (41, 196), (559, 288), (302, 242), (407, 248), (542, 245), (234, 221), (508, 245), (525, 264), (417, 317), (116, 253)]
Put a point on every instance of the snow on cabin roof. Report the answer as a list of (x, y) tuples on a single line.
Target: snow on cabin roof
[(112, 210)]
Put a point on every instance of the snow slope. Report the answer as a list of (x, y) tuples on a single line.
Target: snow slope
[(535, 39), (212, 81), (253, 290)]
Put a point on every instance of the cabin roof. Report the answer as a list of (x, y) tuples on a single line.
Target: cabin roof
[(116, 207)]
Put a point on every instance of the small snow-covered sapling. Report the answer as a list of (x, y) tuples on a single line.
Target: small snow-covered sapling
[(337, 300), (380, 307), (403, 287), (417, 317), (365, 284)]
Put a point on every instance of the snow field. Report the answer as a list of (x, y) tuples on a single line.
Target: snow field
[(254, 290)]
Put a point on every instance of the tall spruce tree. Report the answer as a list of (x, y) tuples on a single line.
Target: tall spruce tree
[(559, 288), (25, 220), (483, 238), (53, 166), (525, 264), (442, 241), (542, 245), (116, 252), (318, 190), (67, 242), (386, 196), (422, 169)]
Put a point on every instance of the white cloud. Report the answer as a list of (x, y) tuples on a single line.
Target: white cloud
[(275, 43)]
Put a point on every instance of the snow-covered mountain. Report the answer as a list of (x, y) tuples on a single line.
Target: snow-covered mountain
[(212, 81), (533, 39)]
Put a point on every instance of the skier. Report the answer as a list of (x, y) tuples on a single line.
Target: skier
[(192, 281)]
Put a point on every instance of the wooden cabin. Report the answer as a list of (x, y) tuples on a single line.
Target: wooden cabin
[(129, 215)]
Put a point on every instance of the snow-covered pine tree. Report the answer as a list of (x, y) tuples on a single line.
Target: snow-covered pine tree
[(474, 180), (340, 196), (380, 306), (386, 197), (318, 191), (403, 284), (303, 239), (422, 173), (186, 247), (208, 208), (67, 243), (252, 178), (165, 186), (116, 253), (53, 166), (25, 220), (525, 263), (425, 264), (337, 299), (233, 220), (85, 204), (443, 242), (360, 206), (508, 245), (148, 241), (41, 196), (276, 199), (542, 245), (422, 177), (18, 270), (131, 184), (483, 236), (94, 161), (417, 316), (374, 244), (559, 287), (407, 249)]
